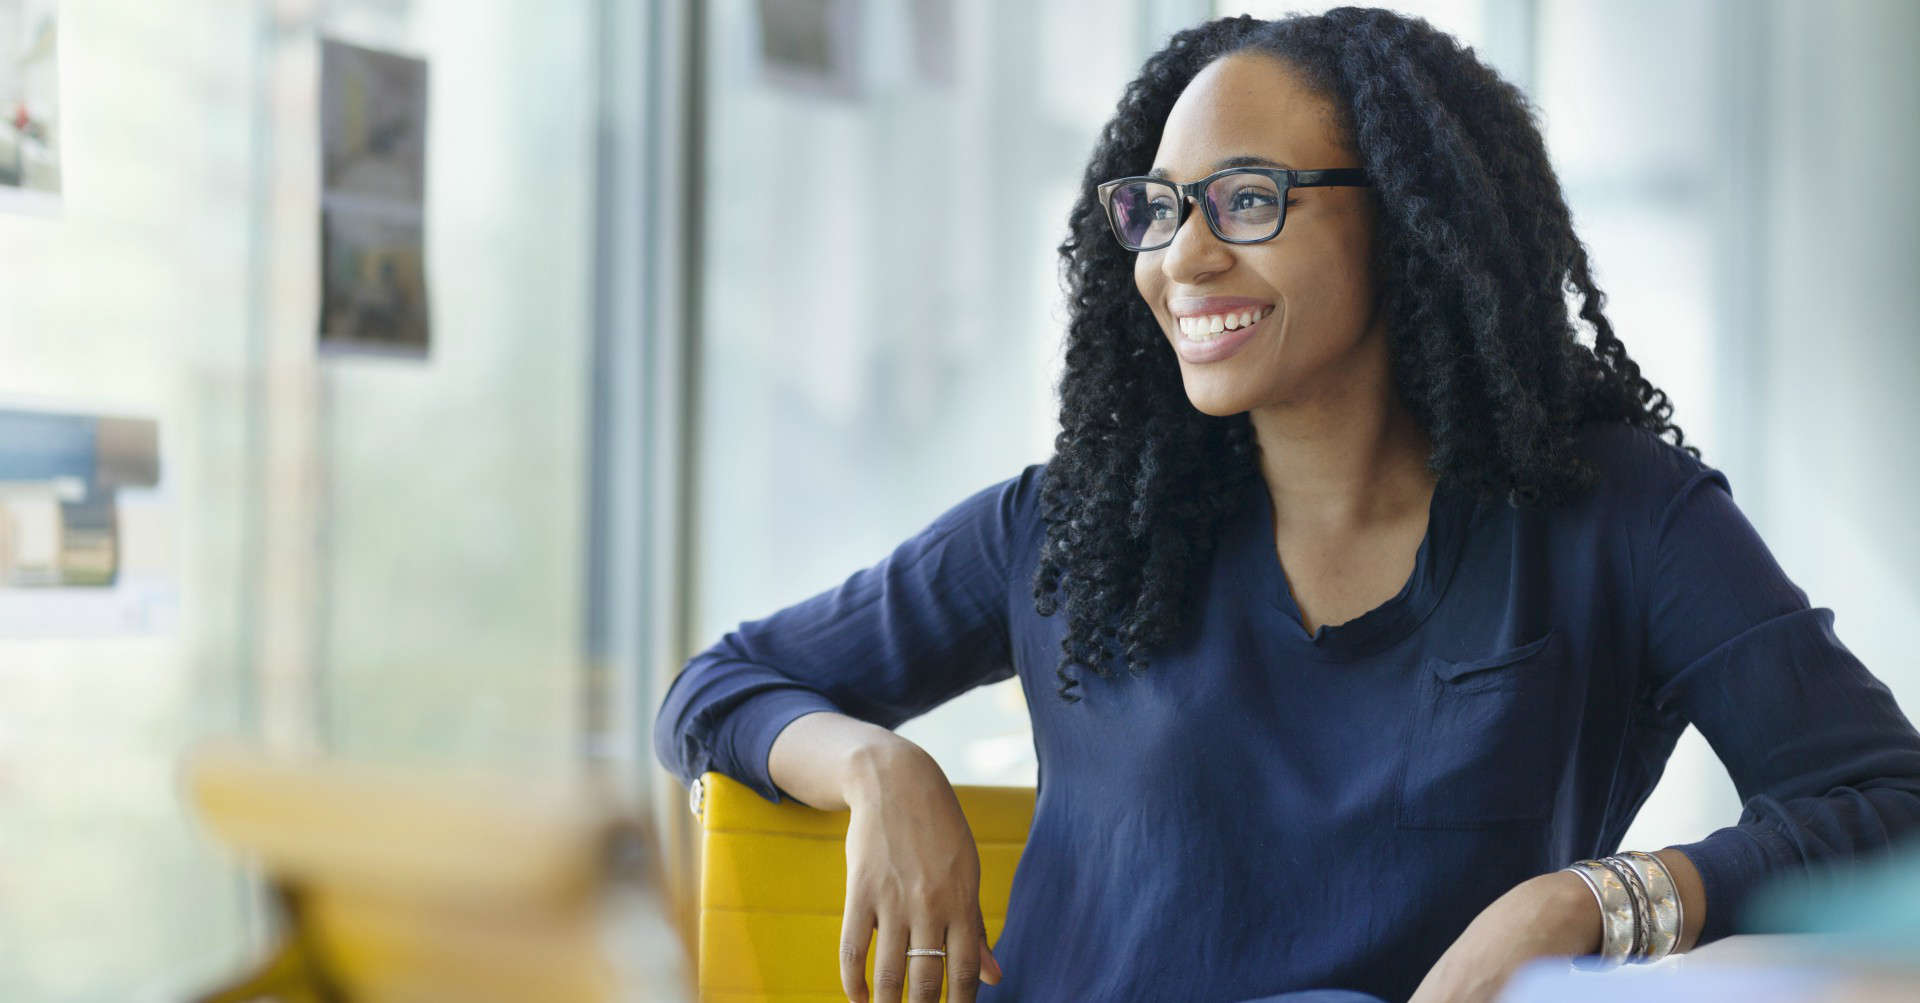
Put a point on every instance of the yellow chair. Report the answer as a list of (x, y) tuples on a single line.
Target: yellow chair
[(773, 879)]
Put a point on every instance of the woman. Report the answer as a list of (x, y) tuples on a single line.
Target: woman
[(1413, 596)]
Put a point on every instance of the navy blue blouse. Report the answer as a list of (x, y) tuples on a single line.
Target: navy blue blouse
[(1268, 809)]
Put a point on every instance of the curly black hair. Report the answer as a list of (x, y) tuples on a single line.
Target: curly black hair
[(1476, 254)]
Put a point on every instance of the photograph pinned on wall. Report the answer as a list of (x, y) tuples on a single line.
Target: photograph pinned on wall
[(29, 106), (376, 288), (85, 526), (809, 46), (373, 150)]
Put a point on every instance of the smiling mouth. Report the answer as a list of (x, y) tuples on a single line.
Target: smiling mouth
[(1213, 326)]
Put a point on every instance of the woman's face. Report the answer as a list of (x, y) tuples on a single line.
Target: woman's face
[(1312, 280)]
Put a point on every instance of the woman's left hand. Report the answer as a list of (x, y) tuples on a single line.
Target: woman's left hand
[(1551, 915)]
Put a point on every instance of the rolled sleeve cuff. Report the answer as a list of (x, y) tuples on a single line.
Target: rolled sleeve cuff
[(1734, 862), (749, 731)]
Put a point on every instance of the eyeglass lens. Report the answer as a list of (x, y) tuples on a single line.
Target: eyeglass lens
[(1247, 206)]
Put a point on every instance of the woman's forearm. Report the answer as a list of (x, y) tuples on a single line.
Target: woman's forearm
[(831, 761)]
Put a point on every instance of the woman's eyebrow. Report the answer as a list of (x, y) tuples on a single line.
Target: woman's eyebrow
[(1242, 161)]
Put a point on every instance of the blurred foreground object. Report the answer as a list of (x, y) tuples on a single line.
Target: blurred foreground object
[(1872, 908), (416, 886), (773, 882)]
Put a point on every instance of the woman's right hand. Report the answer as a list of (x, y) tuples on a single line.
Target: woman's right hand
[(913, 880)]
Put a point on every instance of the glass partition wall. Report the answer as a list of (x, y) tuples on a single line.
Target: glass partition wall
[(880, 312), (377, 556)]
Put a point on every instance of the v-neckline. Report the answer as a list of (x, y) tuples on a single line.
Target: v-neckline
[(1449, 513)]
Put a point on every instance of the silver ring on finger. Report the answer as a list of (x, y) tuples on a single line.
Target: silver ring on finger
[(925, 952)]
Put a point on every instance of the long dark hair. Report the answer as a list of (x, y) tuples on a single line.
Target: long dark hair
[(1476, 255)]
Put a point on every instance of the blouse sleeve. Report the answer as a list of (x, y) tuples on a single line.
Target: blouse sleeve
[(892, 642), (1825, 764)]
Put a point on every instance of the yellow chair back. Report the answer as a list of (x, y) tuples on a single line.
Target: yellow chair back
[(773, 879)]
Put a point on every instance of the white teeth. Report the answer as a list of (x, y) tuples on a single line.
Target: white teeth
[(1208, 328)]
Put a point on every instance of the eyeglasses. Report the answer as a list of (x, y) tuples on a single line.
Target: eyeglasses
[(1243, 205)]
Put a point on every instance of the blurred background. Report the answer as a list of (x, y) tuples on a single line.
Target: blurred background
[(664, 395)]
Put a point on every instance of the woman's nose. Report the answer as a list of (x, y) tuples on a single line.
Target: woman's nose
[(1195, 251)]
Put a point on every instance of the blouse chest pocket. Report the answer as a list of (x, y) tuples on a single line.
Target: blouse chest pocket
[(1482, 749)]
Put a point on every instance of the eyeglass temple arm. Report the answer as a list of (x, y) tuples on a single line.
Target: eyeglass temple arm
[(1330, 177)]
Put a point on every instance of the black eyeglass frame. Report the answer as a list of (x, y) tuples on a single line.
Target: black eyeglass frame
[(1195, 191)]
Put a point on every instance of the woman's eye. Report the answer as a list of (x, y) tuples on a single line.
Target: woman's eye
[(1249, 199), (1160, 209)]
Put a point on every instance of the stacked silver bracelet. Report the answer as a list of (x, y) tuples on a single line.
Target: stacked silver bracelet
[(1640, 915)]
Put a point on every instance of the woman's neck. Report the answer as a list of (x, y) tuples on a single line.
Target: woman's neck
[(1344, 469)]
